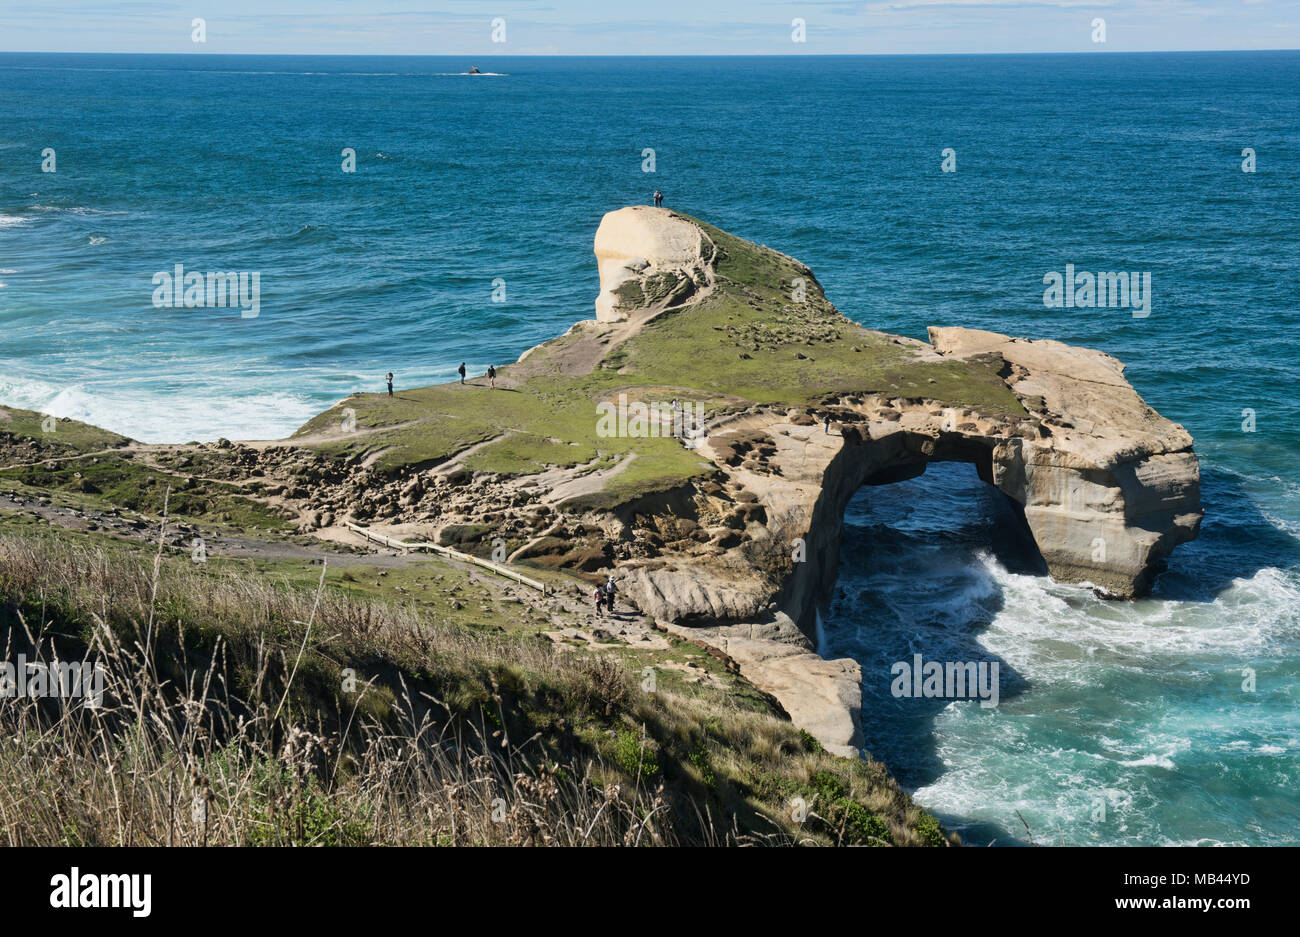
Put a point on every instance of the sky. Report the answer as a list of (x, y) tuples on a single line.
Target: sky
[(644, 27)]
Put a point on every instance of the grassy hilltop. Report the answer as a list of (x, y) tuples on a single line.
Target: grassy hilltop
[(746, 343)]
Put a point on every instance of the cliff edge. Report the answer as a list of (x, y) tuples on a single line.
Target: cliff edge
[(699, 440)]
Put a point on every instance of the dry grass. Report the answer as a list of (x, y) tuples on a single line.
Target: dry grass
[(229, 718)]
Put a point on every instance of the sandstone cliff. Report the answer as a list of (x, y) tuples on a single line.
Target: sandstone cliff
[(730, 532)]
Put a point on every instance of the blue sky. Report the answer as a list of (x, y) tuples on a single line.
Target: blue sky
[(631, 27)]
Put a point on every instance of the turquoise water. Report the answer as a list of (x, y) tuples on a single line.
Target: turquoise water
[(1118, 722), (1107, 162)]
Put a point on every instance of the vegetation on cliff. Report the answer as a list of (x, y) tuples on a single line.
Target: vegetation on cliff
[(265, 700), (765, 334), (250, 708)]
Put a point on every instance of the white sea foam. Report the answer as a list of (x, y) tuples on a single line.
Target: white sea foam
[(12, 221), (77, 210), (1104, 713), (1156, 761), (179, 417), (1251, 616)]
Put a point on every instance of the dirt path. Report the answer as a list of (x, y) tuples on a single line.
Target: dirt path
[(317, 439), (132, 447), (572, 616)]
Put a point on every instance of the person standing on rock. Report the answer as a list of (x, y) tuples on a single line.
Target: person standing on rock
[(659, 199), (492, 375), (461, 372), (389, 379)]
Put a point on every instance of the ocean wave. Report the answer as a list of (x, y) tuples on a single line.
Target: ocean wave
[(1254, 615), (154, 417), (1150, 761), (83, 210), (11, 221), (1102, 701), (304, 235), (1284, 524)]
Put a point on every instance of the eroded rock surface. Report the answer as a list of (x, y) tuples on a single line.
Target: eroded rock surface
[(646, 256), (1108, 487), (743, 554), (737, 541)]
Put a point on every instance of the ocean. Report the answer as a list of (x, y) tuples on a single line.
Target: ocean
[(1119, 723)]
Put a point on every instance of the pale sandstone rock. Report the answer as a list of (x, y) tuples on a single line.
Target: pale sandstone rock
[(1108, 487), (822, 697), (1105, 501), (637, 242), (1108, 497)]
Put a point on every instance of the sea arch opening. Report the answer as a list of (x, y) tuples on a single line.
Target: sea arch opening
[(928, 561)]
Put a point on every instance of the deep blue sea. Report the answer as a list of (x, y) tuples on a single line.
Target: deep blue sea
[(1105, 161)]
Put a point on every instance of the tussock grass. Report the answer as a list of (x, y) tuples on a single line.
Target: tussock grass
[(240, 710)]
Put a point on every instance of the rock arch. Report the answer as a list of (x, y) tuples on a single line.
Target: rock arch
[(1107, 486)]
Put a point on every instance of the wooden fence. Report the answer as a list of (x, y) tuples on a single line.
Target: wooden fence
[(404, 545)]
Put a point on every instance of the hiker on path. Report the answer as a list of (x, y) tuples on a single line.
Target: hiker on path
[(389, 379), (827, 426), (599, 596), (492, 375), (610, 590), (461, 372)]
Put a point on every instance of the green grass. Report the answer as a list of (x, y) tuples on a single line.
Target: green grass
[(113, 480), (550, 422), (707, 342), (468, 640), (703, 767), (68, 435), (527, 454), (737, 347), (749, 342)]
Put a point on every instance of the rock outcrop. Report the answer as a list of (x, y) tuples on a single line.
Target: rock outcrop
[(739, 541), (1109, 486), (731, 531), (645, 256)]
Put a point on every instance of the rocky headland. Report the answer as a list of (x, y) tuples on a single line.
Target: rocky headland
[(725, 533)]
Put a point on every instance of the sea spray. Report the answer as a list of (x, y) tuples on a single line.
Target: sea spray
[(1118, 723)]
